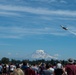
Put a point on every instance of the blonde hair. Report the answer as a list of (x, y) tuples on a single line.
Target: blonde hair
[(18, 71)]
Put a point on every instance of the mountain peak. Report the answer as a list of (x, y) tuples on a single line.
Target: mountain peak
[(41, 54)]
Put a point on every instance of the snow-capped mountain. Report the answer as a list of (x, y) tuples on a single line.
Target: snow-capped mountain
[(40, 54)]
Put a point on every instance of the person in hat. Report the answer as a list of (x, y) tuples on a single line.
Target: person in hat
[(59, 69), (70, 61), (70, 68)]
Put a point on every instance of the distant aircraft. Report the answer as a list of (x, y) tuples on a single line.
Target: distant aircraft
[(64, 27)]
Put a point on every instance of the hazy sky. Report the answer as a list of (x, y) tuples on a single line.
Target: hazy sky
[(30, 25)]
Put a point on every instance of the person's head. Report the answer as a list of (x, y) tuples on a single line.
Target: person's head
[(18, 71), (24, 62), (59, 65), (47, 66), (70, 61), (17, 66)]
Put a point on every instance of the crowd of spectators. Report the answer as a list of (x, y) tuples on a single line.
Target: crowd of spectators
[(39, 69)]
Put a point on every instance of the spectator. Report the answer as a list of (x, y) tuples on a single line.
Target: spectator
[(1, 68), (35, 68), (70, 68), (41, 68), (17, 71), (59, 69), (12, 67), (47, 71), (4, 69), (51, 69), (27, 70)]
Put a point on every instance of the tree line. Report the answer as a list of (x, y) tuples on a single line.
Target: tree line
[(6, 60)]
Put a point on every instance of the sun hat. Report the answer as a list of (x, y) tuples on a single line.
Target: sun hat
[(70, 61)]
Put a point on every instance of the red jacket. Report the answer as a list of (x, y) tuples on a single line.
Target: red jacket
[(71, 69)]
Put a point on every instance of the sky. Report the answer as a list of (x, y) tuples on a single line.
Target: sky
[(30, 25)]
